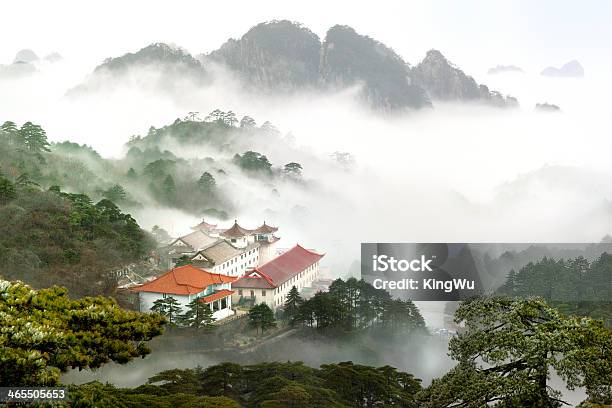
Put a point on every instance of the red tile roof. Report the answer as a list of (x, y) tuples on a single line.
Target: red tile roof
[(215, 296), (253, 283), (236, 231), (280, 269), (184, 280)]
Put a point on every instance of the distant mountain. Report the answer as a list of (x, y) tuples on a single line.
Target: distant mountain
[(17, 70), (348, 58), (445, 82), (279, 56), (158, 54), (53, 57), (26, 56), (170, 63), (283, 56), (501, 69), (547, 107), (570, 69)]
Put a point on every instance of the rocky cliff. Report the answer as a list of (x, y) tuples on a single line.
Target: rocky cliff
[(445, 82)]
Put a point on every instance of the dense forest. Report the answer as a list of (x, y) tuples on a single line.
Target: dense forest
[(504, 358), (575, 286), (262, 385)]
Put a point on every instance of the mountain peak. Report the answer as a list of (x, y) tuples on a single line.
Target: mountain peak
[(444, 81), (570, 69), (25, 55), (153, 54)]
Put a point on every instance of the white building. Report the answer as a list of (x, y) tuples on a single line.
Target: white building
[(222, 257), (230, 251), (270, 282), (185, 284)]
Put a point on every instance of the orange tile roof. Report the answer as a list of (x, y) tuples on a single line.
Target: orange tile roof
[(215, 296), (184, 280)]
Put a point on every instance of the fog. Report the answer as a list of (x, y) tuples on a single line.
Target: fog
[(454, 173)]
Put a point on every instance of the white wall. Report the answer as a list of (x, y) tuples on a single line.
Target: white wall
[(238, 265), (276, 297)]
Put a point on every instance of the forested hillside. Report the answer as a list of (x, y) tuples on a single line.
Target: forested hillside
[(50, 237), (261, 385), (574, 286), (156, 171)]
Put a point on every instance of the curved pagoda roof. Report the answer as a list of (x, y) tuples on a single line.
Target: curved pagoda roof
[(236, 231), (204, 226), (265, 229)]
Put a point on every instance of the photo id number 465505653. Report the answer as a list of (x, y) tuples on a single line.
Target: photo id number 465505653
[(32, 394)]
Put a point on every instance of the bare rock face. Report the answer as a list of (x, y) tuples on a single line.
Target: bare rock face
[(348, 58), (445, 82), (278, 56), (285, 56), (570, 69)]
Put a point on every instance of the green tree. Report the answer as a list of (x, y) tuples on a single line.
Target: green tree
[(508, 350), (9, 130), (247, 122), (34, 137), (261, 317), (198, 316), (292, 305), (7, 190), (131, 174), (254, 162), (206, 183), (168, 307), (293, 170), (24, 180), (169, 189), (115, 193), (50, 332)]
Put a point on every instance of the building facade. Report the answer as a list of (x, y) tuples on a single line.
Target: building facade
[(232, 251), (186, 283), (271, 282)]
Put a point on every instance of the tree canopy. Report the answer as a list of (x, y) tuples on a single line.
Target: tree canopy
[(45, 332), (508, 350)]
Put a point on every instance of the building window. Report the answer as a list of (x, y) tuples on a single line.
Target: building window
[(239, 292), (252, 294), (215, 305), (224, 303), (263, 293)]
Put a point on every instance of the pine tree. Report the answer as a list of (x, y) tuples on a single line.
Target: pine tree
[(34, 137), (207, 182), (198, 315), (173, 309), (292, 305), (9, 130), (131, 174), (261, 317), (7, 190), (169, 308), (169, 189)]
